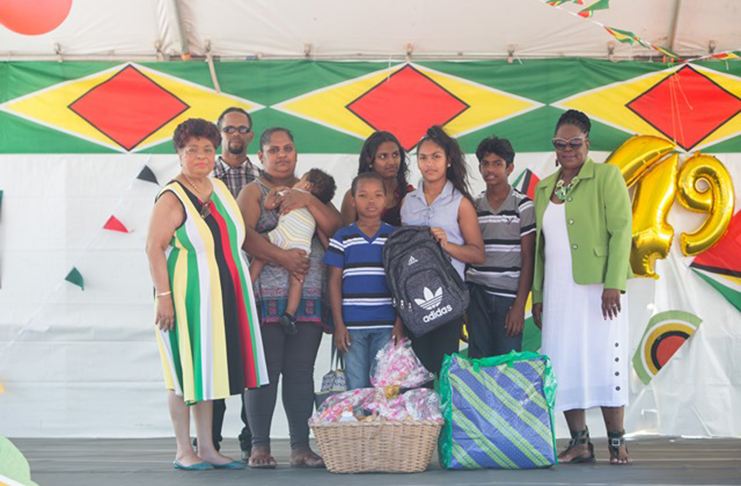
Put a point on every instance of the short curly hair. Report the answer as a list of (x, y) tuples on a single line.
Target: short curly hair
[(497, 146), (195, 128), (323, 185)]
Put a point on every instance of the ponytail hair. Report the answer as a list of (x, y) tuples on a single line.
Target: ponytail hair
[(457, 172)]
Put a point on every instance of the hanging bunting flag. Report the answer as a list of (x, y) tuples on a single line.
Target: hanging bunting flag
[(622, 35), (147, 175), (665, 333), (556, 3), (114, 224), (598, 5), (724, 56), (665, 52), (75, 277), (526, 182)]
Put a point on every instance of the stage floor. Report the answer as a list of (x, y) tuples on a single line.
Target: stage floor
[(127, 462)]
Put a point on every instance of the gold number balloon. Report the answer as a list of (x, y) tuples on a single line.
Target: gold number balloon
[(638, 154), (652, 234), (717, 200)]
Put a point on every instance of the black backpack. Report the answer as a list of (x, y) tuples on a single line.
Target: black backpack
[(426, 290)]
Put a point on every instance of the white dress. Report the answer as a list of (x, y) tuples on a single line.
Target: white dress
[(589, 354)]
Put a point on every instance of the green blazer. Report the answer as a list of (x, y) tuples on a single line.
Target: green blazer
[(599, 225)]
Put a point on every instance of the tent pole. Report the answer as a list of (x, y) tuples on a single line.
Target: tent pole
[(185, 49), (673, 27)]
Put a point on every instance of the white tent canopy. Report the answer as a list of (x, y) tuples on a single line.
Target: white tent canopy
[(326, 29)]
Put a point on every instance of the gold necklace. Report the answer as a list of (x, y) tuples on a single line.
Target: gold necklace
[(205, 208)]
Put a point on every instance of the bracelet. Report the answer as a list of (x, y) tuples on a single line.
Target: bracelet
[(164, 294)]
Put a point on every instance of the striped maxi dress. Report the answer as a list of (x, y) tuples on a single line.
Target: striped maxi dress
[(215, 349)]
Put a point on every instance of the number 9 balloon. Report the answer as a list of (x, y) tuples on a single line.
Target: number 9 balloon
[(717, 200)]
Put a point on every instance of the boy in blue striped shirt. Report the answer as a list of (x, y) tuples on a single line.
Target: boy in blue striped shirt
[(364, 318)]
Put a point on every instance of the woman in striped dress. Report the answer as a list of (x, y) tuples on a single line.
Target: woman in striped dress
[(207, 327)]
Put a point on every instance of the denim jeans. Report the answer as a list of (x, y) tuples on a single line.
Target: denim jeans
[(486, 317), (364, 345)]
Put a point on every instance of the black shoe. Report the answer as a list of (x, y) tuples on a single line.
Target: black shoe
[(288, 323)]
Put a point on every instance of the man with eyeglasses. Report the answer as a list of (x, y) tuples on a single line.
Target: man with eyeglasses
[(233, 167), (236, 170)]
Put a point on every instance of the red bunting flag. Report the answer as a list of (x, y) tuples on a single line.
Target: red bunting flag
[(114, 224)]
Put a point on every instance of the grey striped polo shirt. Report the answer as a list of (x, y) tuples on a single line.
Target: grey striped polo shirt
[(502, 231)]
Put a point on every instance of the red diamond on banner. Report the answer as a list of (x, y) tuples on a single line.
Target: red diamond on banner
[(407, 104), (128, 107), (686, 106)]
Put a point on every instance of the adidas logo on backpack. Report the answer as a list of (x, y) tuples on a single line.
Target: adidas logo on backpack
[(431, 300), (415, 264)]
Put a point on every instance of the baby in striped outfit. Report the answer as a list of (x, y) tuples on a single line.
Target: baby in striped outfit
[(295, 230)]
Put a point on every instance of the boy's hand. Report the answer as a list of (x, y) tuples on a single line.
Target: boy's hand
[(341, 338), (514, 322)]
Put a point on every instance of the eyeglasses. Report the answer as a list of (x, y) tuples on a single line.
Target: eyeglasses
[(561, 144), (194, 151), (244, 130)]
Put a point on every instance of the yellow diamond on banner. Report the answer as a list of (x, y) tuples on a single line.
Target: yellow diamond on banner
[(689, 104), (407, 99), (126, 108)]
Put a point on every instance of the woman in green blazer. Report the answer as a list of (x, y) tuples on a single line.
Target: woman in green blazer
[(583, 241)]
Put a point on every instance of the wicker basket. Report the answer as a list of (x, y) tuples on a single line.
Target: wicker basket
[(353, 447)]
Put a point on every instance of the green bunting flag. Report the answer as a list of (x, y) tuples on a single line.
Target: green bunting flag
[(598, 5), (665, 52), (75, 277), (623, 35)]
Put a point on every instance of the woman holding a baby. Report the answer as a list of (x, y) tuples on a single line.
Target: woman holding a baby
[(291, 339)]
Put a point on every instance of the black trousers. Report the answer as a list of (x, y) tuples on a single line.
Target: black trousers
[(433, 346), (245, 437), (292, 357)]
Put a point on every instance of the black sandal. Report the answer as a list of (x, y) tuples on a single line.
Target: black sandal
[(581, 437), (288, 323), (615, 439)]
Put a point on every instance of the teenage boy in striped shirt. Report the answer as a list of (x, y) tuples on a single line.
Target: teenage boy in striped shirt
[(364, 318), (499, 288)]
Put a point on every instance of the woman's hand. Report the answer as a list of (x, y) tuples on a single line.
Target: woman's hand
[(295, 199), (441, 236), (342, 338), (538, 314), (275, 196), (610, 303), (165, 318), (296, 262)]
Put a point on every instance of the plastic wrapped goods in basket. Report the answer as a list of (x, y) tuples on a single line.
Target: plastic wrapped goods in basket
[(498, 412)]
